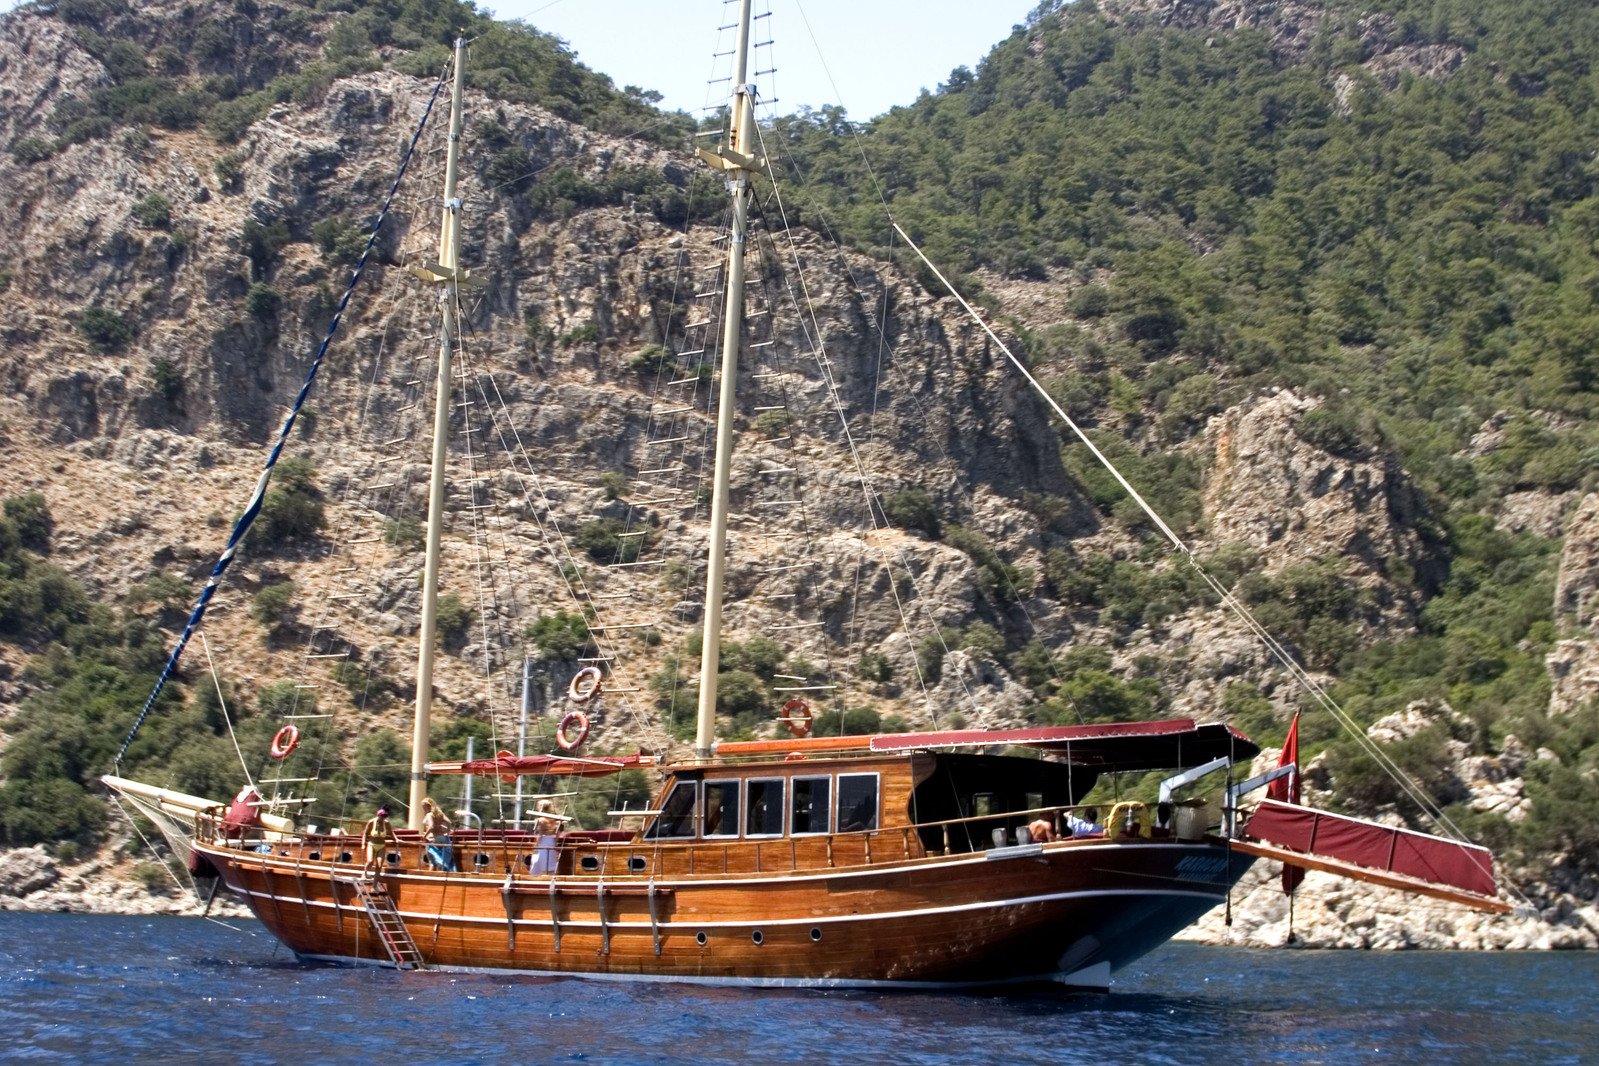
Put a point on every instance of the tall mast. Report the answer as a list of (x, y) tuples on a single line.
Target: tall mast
[(739, 160), (446, 273)]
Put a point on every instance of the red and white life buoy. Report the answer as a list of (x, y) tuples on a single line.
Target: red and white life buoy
[(585, 685), (797, 717), (573, 730), (286, 740)]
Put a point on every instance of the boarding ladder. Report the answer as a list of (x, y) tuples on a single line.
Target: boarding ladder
[(393, 935)]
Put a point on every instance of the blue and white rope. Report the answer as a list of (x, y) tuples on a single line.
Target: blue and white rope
[(251, 510)]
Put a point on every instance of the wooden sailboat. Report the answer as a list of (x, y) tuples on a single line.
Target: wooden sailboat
[(920, 859)]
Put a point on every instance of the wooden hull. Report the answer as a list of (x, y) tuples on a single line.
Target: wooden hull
[(1031, 913)]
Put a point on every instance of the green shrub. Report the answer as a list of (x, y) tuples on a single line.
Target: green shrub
[(166, 377), (587, 333), (913, 508), (263, 301), (154, 211), (29, 150), (404, 533), (275, 607), (29, 515), (293, 508), (107, 331), (561, 637), (650, 359), (453, 618), (605, 541), (339, 240)]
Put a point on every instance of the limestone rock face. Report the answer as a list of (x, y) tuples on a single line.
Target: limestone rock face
[(1574, 663), (1296, 501)]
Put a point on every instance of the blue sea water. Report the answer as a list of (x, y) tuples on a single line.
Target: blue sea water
[(77, 988)]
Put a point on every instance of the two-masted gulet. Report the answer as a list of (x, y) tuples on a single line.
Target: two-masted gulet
[(916, 859)]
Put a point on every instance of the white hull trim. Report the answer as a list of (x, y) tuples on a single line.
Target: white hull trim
[(646, 928), (1085, 980)]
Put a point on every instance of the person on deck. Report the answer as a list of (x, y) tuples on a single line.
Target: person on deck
[(376, 836), (545, 856), (436, 831), (1042, 830)]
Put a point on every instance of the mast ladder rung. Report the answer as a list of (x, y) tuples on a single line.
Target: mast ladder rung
[(788, 677), (639, 533), (684, 409), (397, 440), (673, 469), (673, 498), (685, 381), (775, 440), (761, 344), (800, 625), (805, 688), (759, 314), (696, 325), (346, 569), (774, 407), (596, 658), (766, 374), (623, 688), (364, 540), (665, 440), (696, 351), (777, 468), (778, 503), (642, 562), (380, 486), (595, 626), (390, 459), (330, 655), (304, 717), (303, 684), (284, 780)]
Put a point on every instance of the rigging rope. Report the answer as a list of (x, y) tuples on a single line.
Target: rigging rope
[(1315, 689), (253, 508)]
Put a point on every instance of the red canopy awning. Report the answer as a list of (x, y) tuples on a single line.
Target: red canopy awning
[(1171, 743), (510, 766)]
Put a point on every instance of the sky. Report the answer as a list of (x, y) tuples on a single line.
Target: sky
[(865, 55)]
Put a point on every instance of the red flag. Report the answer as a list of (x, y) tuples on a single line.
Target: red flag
[(1286, 790)]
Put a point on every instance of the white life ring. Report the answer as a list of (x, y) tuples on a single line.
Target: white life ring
[(586, 684), (574, 720)]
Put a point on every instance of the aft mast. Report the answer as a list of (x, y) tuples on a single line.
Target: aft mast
[(738, 159), (446, 272)]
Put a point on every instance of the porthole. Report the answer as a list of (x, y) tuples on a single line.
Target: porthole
[(758, 937), (637, 864), (481, 860), (816, 934), (590, 863), (345, 856), (527, 862), (314, 856), (700, 938), (392, 858)]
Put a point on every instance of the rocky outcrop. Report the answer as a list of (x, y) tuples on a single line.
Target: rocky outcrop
[(1298, 501), (1574, 663), (32, 880)]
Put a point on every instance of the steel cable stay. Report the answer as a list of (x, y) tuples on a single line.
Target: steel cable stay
[(1311, 686)]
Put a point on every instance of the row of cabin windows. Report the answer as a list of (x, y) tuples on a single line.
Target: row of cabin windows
[(712, 808)]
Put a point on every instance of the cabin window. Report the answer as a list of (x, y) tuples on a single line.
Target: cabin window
[(721, 809), (808, 814), (763, 808), (857, 802), (983, 804), (677, 814)]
